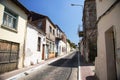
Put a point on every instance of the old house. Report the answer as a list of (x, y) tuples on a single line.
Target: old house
[(107, 62), (13, 21), (35, 42), (68, 47), (48, 27), (61, 43)]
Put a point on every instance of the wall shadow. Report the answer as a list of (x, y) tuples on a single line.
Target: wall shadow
[(71, 62), (66, 62), (83, 62), (91, 78), (1, 78)]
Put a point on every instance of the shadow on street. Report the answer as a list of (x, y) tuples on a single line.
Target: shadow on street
[(83, 62), (91, 78), (66, 62)]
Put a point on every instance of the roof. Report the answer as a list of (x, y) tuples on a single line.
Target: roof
[(21, 6), (59, 28), (36, 28), (36, 16)]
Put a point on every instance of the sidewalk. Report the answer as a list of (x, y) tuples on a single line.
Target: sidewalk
[(14, 75), (87, 70)]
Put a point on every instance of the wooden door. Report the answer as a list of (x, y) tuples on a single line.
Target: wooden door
[(43, 55), (9, 52)]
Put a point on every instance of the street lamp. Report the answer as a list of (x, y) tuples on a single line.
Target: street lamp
[(77, 5), (80, 33)]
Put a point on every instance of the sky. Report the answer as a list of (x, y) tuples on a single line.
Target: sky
[(67, 17)]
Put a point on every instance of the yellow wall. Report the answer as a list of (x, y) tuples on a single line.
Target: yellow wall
[(18, 36)]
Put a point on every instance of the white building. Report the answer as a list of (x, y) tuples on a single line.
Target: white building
[(61, 45), (35, 45), (48, 27), (61, 48), (68, 47)]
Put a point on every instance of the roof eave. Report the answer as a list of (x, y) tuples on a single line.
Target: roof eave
[(21, 6)]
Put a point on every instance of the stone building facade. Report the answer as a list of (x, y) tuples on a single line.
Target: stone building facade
[(89, 30)]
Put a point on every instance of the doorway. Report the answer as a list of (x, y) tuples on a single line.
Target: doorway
[(9, 52), (43, 55), (110, 54)]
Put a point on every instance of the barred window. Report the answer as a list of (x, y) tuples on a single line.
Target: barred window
[(50, 29), (10, 19)]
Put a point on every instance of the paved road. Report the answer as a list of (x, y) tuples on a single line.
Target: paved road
[(62, 69)]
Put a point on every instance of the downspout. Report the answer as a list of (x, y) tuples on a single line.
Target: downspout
[(24, 43)]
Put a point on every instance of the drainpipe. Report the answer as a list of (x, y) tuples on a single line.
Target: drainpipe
[(24, 44)]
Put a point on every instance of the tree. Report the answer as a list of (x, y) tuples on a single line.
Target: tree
[(73, 45)]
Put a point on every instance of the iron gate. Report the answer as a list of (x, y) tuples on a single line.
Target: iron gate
[(9, 52)]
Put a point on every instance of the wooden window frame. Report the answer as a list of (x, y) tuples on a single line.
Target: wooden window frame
[(10, 20)]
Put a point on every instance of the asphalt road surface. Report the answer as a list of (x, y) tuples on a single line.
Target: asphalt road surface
[(62, 69)]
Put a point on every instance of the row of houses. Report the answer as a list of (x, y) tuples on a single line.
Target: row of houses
[(27, 37), (101, 41)]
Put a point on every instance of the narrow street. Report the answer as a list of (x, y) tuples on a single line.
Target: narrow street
[(62, 69), (59, 40)]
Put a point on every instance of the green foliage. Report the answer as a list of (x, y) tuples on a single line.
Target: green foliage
[(73, 45)]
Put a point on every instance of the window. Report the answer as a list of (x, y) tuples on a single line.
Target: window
[(50, 29), (39, 44), (39, 25), (57, 32), (53, 47), (43, 39), (53, 32), (10, 19)]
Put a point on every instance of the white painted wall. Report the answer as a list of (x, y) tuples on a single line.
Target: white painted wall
[(32, 56), (61, 44), (68, 47)]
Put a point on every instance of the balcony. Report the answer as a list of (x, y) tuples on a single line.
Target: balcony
[(80, 33)]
